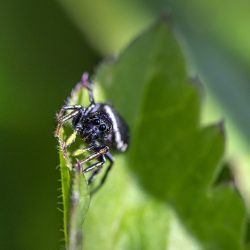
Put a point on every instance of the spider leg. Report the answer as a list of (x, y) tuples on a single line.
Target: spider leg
[(68, 107), (75, 108), (104, 178), (72, 107), (63, 118), (93, 176), (97, 167), (86, 82), (82, 150), (101, 151), (69, 141), (91, 95)]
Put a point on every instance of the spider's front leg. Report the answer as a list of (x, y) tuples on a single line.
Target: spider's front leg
[(61, 118), (100, 154), (87, 83), (77, 110), (84, 83)]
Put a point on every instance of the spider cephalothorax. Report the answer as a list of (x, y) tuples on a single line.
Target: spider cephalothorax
[(101, 128), (96, 127)]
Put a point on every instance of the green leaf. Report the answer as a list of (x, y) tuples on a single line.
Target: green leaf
[(75, 194), (218, 46), (79, 207), (66, 184), (161, 194), (76, 198)]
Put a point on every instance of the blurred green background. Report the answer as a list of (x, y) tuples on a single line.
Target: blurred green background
[(44, 48)]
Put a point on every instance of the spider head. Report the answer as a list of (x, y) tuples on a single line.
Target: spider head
[(96, 127)]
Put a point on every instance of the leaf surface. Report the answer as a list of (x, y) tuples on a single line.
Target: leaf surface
[(161, 193), (166, 178)]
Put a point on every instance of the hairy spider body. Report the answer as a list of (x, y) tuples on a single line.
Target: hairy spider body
[(100, 126)]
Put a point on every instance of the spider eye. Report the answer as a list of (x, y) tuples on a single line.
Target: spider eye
[(102, 127), (96, 121)]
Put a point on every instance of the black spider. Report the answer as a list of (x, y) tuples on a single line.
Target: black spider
[(101, 128)]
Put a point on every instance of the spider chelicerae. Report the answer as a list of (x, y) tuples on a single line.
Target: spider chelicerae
[(101, 128)]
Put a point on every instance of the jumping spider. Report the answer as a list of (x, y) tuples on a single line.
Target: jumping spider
[(100, 126)]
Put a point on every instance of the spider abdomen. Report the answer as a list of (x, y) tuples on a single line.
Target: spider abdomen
[(120, 128)]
